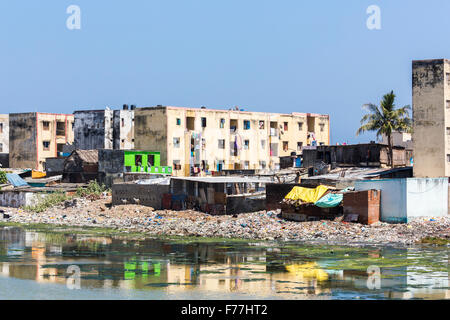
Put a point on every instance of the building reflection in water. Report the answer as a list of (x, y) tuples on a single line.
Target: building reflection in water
[(150, 264)]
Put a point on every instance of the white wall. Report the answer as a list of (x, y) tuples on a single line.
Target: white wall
[(405, 199), (393, 197)]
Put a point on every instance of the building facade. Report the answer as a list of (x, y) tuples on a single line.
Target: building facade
[(104, 129), (197, 141), (431, 117), (4, 140), (4, 133), (35, 136)]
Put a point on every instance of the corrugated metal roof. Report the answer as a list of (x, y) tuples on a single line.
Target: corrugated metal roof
[(90, 156)]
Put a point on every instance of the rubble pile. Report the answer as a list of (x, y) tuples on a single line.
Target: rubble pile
[(263, 225)]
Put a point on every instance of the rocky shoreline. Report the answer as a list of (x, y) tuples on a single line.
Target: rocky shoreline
[(262, 225)]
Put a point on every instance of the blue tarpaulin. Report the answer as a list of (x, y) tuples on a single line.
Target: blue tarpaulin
[(16, 180)]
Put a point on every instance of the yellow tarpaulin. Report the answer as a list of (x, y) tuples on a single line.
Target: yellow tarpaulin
[(37, 174), (307, 194), (309, 270)]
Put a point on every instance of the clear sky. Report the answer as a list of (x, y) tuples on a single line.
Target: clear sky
[(274, 56)]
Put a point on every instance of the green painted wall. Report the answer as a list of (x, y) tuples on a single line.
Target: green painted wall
[(130, 158)]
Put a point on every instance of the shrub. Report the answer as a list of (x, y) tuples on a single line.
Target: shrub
[(3, 177), (47, 201), (93, 188)]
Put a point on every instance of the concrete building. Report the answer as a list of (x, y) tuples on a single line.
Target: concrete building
[(104, 129), (4, 140), (431, 117), (399, 139), (35, 136), (198, 141)]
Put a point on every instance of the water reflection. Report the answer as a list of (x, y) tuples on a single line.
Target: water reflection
[(260, 269)]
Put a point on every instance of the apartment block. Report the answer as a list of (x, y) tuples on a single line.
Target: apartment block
[(4, 140), (104, 129), (195, 141), (4, 133), (35, 136), (431, 117)]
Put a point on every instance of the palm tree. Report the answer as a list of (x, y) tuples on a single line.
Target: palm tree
[(385, 119)]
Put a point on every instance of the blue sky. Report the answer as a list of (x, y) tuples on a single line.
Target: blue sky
[(274, 56)]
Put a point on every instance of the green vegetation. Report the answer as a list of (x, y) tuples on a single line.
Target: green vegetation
[(47, 201), (385, 119), (436, 241), (3, 177), (93, 188)]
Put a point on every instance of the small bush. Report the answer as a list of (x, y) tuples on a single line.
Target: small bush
[(93, 188), (3, 178), (47, 201)]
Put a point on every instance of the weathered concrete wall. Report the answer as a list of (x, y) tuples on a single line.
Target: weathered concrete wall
[(147, 195), (31, 142), (4, 133), (245, 203), (150, 129), (17, 199), (123, 129), (22, 140), (110, 161), (54, 166), (430, 92), (405, 199), (110, 166), (370, 155), (89, 129)]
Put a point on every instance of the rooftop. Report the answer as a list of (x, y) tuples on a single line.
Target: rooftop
[(234, 111), (226, 179)]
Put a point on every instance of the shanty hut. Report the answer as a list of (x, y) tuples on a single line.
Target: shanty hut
[(81, 166)]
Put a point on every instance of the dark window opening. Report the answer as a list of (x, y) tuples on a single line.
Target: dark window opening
[(151, 160), (138, 160)]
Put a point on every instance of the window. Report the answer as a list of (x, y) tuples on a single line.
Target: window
[(1, 127), (246, 124), (246, 164), (46, 145), (321, 125), (150, 160), (176, 164), (263, 144), (261, 124), (285, 145), (262, 164), (448, 78), (285, 126), (1, 147), (448, 157), (203, 122), (447, 104), (60, 128), (176, 142), (246, 144), (299, 146), (178, 122), (300, 126), (221, 144), (222, 123), (190, 123), (123, 122), (233, 125), (45, 125), (138, 160)]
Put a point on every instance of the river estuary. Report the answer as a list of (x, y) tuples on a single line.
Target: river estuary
[(70, 265)]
